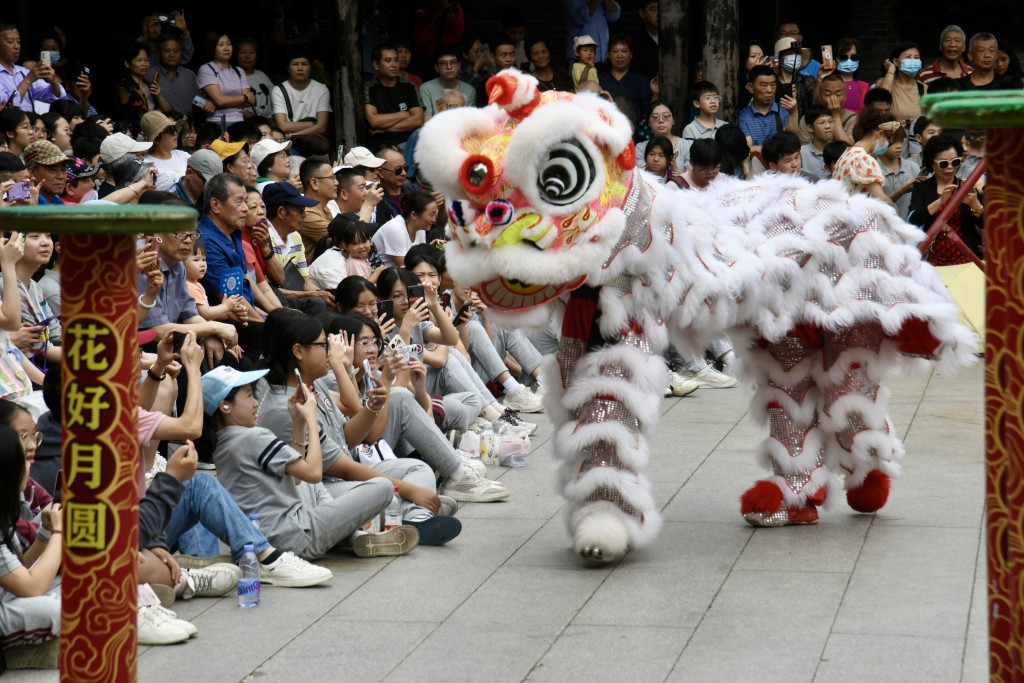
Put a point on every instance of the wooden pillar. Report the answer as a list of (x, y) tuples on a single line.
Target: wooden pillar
[(349, 116), (721, 52), (101, 456), (673, 80)]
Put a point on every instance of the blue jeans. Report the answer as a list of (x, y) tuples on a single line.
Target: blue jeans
[(207, 507)]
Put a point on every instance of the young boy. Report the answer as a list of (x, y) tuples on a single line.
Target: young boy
[(782, 153), (584, 69), (821, 124), (195, 269), (706, 100), (900, 174)]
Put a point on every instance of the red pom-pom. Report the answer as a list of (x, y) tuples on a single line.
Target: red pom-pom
[(763, 496), (871, 495)]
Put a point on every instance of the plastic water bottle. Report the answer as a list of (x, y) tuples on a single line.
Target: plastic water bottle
[(393, 512), (470, 444), (488, 445), (249, 579), (254, 517)]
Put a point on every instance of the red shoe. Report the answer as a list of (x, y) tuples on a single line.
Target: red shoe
[(762, 505), (872, 494), (784, 516)]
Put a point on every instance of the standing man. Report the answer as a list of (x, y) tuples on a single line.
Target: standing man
[(20, 87), (319, 185), (447, 67), (393, 109), (590, 18), (301, 105), (177, 83), (646, 58), (983, 57), (950, 62)]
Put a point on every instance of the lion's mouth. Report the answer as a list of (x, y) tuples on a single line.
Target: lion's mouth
[(505, 294)]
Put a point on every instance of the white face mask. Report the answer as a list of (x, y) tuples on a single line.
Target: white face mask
[(791, 62)]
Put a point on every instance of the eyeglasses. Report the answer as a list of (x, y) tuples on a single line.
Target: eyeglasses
[(660, 118), (322, 344), (184, 236), (710, 170), (955, 163), (854, 56), (367, 344), (711, 98), (29, 439), (400, 298), (401, 170)]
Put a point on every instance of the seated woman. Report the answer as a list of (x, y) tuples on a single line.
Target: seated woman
[(423, 321), (267, 475), (29, 584), (486, 343)]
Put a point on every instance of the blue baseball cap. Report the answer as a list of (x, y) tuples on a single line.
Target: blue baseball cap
[(219, 382), (276, 194)]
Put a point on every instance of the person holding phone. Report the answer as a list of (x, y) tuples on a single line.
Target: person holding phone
[(26, 86), (792, 58), (858, 168), (135, 93), (900, 79), (943, 155)]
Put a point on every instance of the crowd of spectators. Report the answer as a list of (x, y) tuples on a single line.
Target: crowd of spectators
[(306, 356)]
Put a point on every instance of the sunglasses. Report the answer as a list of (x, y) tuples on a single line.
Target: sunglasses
[(955, 163), (401, 170), (854, 57)]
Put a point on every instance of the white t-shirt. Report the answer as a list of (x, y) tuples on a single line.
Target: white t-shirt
[(392, 239), (171, 170), (329, 269), (305, 103), (261, 86)]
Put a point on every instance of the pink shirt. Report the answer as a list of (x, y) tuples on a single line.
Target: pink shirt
[(360, 267), (198, 293)]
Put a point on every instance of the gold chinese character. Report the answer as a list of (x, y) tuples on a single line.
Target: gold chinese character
[(85, 462), (85, 350), (85, 405), (87, 525)]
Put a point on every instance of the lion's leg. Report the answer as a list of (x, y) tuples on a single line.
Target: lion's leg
[(787, 399), (605, 411), (860, 442)]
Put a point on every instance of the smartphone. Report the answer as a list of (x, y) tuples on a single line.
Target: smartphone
[(446, 299), (19, 192), (386, 307), (298, 387), (826, 57), (462, 311), (415, 292), (46, 58), (46, 321), (179, 341), (924, 174), (785, 90), (85, 70), (58, 487), (156, 77), (198, 101)]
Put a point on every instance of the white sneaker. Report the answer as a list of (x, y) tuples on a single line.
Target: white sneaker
[(522, 400), (210, 582), (473, 488), (291, 571), (156, 628), (186, 626), (680, 386), (474, 464), (518, 425), (709, 378), (449, 506)]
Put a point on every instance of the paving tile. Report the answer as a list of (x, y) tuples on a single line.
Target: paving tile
[(611, 653), (858, 658), (832, 545)]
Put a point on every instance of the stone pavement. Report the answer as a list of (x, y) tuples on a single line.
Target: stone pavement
[(895, 596)]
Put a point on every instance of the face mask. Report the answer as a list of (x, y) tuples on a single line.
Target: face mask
[(882, 148), (847, 66), (90, 196), (910, 67), (791, 62)]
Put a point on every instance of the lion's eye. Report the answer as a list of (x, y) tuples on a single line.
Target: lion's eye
[(500, 212), (566, 173)]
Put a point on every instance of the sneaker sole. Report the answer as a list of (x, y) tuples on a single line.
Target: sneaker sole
[(192, 562), (165, 594), (42, 656), (477, 497), (684, 392), (388, 544), (449, 506), (437, 530), (525, 409), (269, 580)]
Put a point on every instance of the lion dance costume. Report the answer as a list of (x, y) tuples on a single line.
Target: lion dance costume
[(822, 294)]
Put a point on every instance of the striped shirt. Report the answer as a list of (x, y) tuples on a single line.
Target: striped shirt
[(760, 126)]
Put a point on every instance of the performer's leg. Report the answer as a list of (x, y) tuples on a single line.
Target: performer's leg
[(605, 409), (860, 443), (787, 399)]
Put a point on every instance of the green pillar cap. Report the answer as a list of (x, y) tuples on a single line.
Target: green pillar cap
[(99, 219), (976, 108)]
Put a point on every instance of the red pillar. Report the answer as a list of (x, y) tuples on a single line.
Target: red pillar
[(1004, 400), (100, 452)]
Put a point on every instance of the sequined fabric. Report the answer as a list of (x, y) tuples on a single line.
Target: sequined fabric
[(600, 454), (787, 432), (797, 482), (615, 498), (569, 351), (867, 335), (637, 340), (856, 381), (607, 410), (788, 351), (637, 208)]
